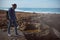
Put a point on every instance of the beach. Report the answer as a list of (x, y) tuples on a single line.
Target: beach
[(47, 21)]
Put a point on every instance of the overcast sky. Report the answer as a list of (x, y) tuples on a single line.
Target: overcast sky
[(31, 3)]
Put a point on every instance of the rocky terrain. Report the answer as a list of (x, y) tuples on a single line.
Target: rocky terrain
[(47, 25)]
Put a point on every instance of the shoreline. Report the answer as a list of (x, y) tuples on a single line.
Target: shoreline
[(34, 12), (52, 20)]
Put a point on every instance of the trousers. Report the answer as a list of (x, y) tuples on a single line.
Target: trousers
[(10, 22)]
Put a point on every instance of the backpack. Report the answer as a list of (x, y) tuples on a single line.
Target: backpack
[(7, 16)]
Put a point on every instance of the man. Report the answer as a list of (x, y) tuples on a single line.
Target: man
[(12, 19)]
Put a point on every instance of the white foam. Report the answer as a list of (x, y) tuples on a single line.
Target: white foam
[(19, 10), (38, 12), (5, 9), (35, 12), (23, 11)]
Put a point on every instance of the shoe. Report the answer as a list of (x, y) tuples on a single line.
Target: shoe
[(17, 27), (18, 35), (9, 35)]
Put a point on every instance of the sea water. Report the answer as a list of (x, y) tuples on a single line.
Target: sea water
[(44, 10)]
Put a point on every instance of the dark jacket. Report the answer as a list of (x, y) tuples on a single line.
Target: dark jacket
[(11, 14)]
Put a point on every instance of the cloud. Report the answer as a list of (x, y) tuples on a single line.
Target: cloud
[(31, 3)]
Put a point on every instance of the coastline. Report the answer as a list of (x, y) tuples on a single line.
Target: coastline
[(27, 14), (51, 20), (17, 10)]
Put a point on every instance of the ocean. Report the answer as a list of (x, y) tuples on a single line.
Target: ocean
[(38, 10)]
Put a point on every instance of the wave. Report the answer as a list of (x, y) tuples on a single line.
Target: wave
[(17, 10), (38, 12)]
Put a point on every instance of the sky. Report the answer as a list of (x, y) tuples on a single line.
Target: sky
[(31, 3)]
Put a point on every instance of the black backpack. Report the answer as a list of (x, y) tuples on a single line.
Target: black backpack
[(7, 16)]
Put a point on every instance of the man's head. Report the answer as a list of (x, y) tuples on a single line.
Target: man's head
[(14, 6)]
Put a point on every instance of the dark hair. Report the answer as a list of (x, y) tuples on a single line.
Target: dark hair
[(14, 4)]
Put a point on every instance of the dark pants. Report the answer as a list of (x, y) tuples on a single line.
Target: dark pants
[(15, 25)]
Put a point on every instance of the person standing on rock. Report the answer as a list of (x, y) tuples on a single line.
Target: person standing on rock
[(12, 19)]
